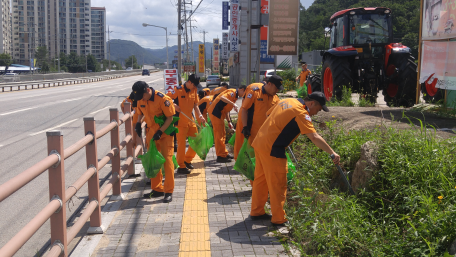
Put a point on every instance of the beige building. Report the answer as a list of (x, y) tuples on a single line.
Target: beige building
[(98, 33), (5, 29), (60, 25)]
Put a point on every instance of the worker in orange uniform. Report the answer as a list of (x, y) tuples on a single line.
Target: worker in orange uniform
[(218, 111), (205, 92), (204, 103), (217, 91), (286, 120), (186, 100), (153, 103), (305, 73)]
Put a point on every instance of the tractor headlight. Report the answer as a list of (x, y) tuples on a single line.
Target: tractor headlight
[(387, 11)]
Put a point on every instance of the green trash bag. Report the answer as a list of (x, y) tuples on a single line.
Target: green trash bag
[(291, 168), (302, 91), (152, 161), (175, 162), (203, 142), (245, 163), (161, 120), (232, 139)]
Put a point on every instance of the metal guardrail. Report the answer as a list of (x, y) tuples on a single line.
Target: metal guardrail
[(59, 194)]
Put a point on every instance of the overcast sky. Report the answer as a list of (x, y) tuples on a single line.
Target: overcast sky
[(125, 19)]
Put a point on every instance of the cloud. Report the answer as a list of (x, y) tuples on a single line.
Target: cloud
[(125, 19)]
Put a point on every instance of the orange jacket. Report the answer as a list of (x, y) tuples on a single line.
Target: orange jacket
[(219, 108), (159, 104), (186, 100)]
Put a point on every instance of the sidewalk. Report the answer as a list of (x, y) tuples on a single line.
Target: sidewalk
[(207, 217)]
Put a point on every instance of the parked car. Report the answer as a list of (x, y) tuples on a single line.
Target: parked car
[(146, 72), (129, 68), (213, 80), (267, 73), (11, 77)]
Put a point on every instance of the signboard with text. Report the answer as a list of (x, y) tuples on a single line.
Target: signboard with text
[(225, 9), (437, 64), (201, 58), (264, 57), (171, 78), (438, 19), (234, 25), (224, 46), (215, 63), (283, 27)]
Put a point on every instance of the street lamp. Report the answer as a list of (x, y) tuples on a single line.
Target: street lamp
[(166, 31)]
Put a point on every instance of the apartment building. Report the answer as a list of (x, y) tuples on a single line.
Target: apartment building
[(5, 28), (98, 33), (60, 25)]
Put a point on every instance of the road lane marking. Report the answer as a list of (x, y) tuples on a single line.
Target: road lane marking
[(58, 126), (43, 105), (16, 111), (100, 110)]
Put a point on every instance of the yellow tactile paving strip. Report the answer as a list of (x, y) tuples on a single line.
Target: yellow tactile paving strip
[(195, 233)]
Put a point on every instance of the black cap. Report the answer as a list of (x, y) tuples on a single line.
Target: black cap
[(139, 88), (320, 98), (277, 81), (194, 79), (132, 98)]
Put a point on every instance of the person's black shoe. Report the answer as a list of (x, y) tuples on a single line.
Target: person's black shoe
[(189, 166), (153, 194), (168, 198), (223, 159), (230, 156), (183, 170), (262, 217)]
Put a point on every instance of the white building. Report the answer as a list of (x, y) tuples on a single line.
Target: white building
[(5, 28)]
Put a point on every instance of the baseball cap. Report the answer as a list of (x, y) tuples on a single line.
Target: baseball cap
[(320, 98), (139, 88), (194, 79), (277, 81), (132, 98)]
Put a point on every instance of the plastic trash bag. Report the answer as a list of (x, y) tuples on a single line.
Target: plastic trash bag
[(203, 142), (232, 139), (302, 91), (152, 161), (175, 162), (171, 129), (291, 168), (245, 163)]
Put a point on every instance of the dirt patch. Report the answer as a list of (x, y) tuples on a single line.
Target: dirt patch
[(369, 117), (148, 242)]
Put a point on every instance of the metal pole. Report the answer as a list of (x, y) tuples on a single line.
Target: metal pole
[(109, 50), (186, 34), (249, 42), (179, 35), (167, 57), (87, 70)]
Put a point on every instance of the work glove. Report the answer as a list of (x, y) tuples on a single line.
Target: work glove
[(138, 129), (157, 135), (246, 132)]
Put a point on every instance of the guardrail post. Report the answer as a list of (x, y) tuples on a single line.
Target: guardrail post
[(94, 188), (115, 161), (57, 190), (130, 146)]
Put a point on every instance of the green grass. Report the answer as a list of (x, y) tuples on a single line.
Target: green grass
[(345, 100), (401, 213)]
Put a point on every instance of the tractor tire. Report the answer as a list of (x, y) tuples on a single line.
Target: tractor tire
[(314, 83), (336, 74), (402, 90), (431, 94)]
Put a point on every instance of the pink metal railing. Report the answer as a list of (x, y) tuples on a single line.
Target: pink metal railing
[(55, 210)]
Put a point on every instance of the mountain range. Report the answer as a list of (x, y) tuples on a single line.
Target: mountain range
[(122, 49)]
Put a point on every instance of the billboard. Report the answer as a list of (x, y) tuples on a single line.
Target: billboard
[(170, 76), (224, 46), (201, 58), (438, 19), (437, 64), (216, 56), (234, 25), (225, 8), (283, 27), (264, 57)]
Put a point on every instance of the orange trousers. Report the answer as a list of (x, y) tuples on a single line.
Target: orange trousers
[(181, 155), (219, 135), (270, 176), (166, 147)]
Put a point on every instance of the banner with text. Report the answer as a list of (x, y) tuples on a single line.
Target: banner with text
[(201, 58), (283, 27), (215, 62), (171, 78), (437, 64), (234, 25), (438, 19), (224, 46), (264, 57), (225, 8)]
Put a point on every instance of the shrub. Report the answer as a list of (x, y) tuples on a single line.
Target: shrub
[(289, 75), (346, 99)]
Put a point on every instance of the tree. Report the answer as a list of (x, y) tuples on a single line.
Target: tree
[(74, 63), (63, 61), (92, 63), (132, 62), (5, 59)]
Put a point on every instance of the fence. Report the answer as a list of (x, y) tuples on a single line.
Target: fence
[(55, 210)]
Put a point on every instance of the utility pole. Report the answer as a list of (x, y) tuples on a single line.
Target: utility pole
[(249, 42), (191, 39), (186, 34), (179, 35), (205, 56), (109, 50), (87, 70)]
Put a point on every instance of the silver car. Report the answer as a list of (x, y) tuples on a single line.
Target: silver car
[(213, 80)]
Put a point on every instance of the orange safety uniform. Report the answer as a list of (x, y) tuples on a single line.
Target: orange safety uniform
[(303, 76), (217, 91), (206, 91), (286, 121), (257, 102), (159, 104), (204, 104), (186, 100), (217, 112), (135, 115)]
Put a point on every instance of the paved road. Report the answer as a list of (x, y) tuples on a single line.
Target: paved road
[(25, 116)]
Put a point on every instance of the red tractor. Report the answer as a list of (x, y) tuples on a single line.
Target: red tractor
[(364, 58)]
